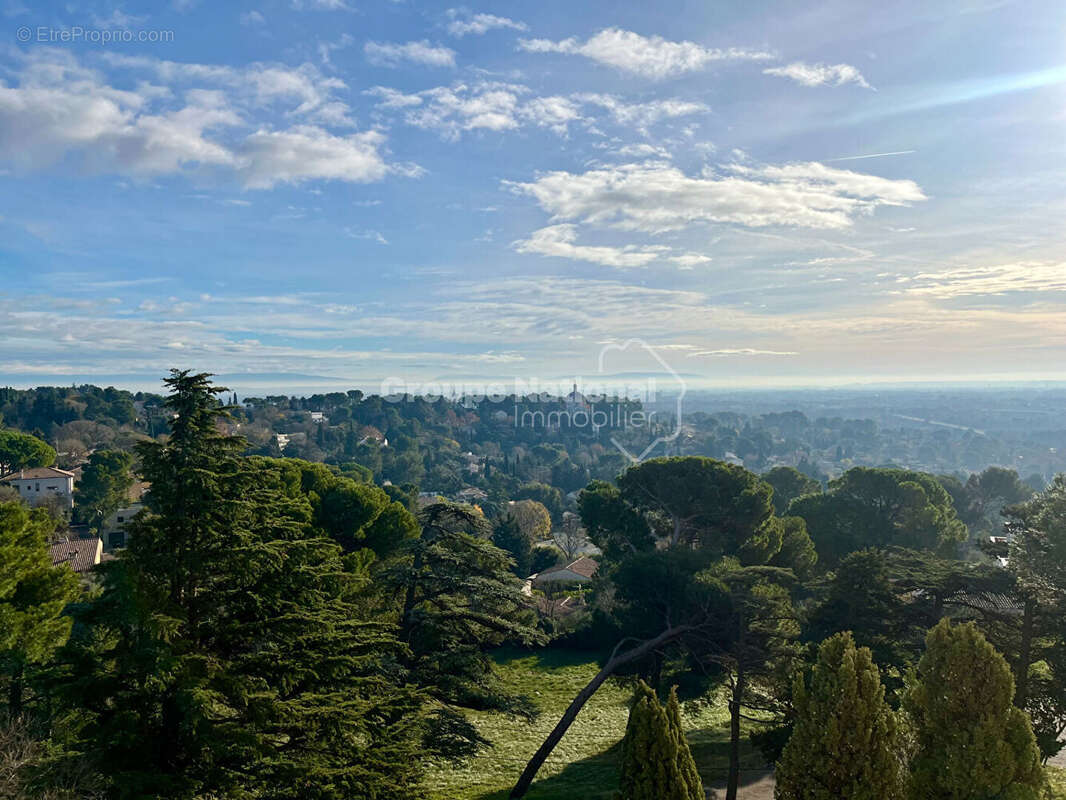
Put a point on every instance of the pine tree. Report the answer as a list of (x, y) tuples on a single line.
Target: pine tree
[(656, 761), (33, 595), (971, 742), (233, 657), (844, 745)]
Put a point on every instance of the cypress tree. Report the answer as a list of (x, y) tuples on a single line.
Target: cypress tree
[(233, 653), (656, 761), (971, 742), (33, 595), (844, 745)]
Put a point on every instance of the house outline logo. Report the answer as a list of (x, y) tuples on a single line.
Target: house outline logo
[(682, 388)]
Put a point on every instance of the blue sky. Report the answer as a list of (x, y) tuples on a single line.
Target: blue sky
[(764, 193)]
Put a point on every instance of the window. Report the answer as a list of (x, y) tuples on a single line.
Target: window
[(119, 519), (117, 539)]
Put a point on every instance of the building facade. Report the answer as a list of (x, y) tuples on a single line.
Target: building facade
[(35, 486)]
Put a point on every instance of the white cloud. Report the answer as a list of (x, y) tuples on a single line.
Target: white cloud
[(655, 198), (61, 110), (110, 129), (301, 91), (690, 260), (820, 74), (740, 351), (371, 235), (558, 240), (462, 107), (553, 112), (997, 280), (393, 98), (320, 5), (498, 106), (464, 23), (391, 54), (643, 115), (305, 153), (118, 20), (641, 150), (649, 56)]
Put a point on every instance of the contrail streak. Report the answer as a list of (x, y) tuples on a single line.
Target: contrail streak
[(872, 155)]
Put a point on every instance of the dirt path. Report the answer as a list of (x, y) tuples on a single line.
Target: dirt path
[(753, 787)]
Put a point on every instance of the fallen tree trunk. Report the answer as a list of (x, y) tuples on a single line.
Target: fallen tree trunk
[(614, 662)]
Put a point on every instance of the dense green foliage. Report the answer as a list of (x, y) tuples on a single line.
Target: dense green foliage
[(23, 451), (656, 760), (508, 536), (789, 483), (695, 543), (231, 652), (458, 597), (103, 486), (281, 627), (33, 596), (844, 744), (879, 508), (971, 743)]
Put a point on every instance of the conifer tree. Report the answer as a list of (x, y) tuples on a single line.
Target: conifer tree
[(232, 654), (459, 599), (33, 595), (656, 761), (844, 744), (508, 536), (971, 742)]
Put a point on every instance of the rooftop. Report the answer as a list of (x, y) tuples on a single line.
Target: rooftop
[(81, 554), (584, 566), (36, 473)]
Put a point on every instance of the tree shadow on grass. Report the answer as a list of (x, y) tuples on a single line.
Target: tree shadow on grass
[(596, 777), (593, 778)]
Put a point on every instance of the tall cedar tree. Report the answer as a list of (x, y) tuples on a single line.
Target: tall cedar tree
[(33, 595), (844, 744), (971, 742), (459, 599), (656, 761), (232, 660)]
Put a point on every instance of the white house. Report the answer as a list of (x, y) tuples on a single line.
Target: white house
[(36, 485), (113, 531)]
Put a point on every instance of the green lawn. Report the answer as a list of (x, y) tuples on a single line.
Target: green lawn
[(584, 765), (1057, 778)]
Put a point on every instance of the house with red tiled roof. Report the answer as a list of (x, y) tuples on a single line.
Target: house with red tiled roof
[(579, 571), (35, 486), (81, 555)]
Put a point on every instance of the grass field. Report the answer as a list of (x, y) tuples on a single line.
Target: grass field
[(584, 765)]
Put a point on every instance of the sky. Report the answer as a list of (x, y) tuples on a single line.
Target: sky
[(347, 192)]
